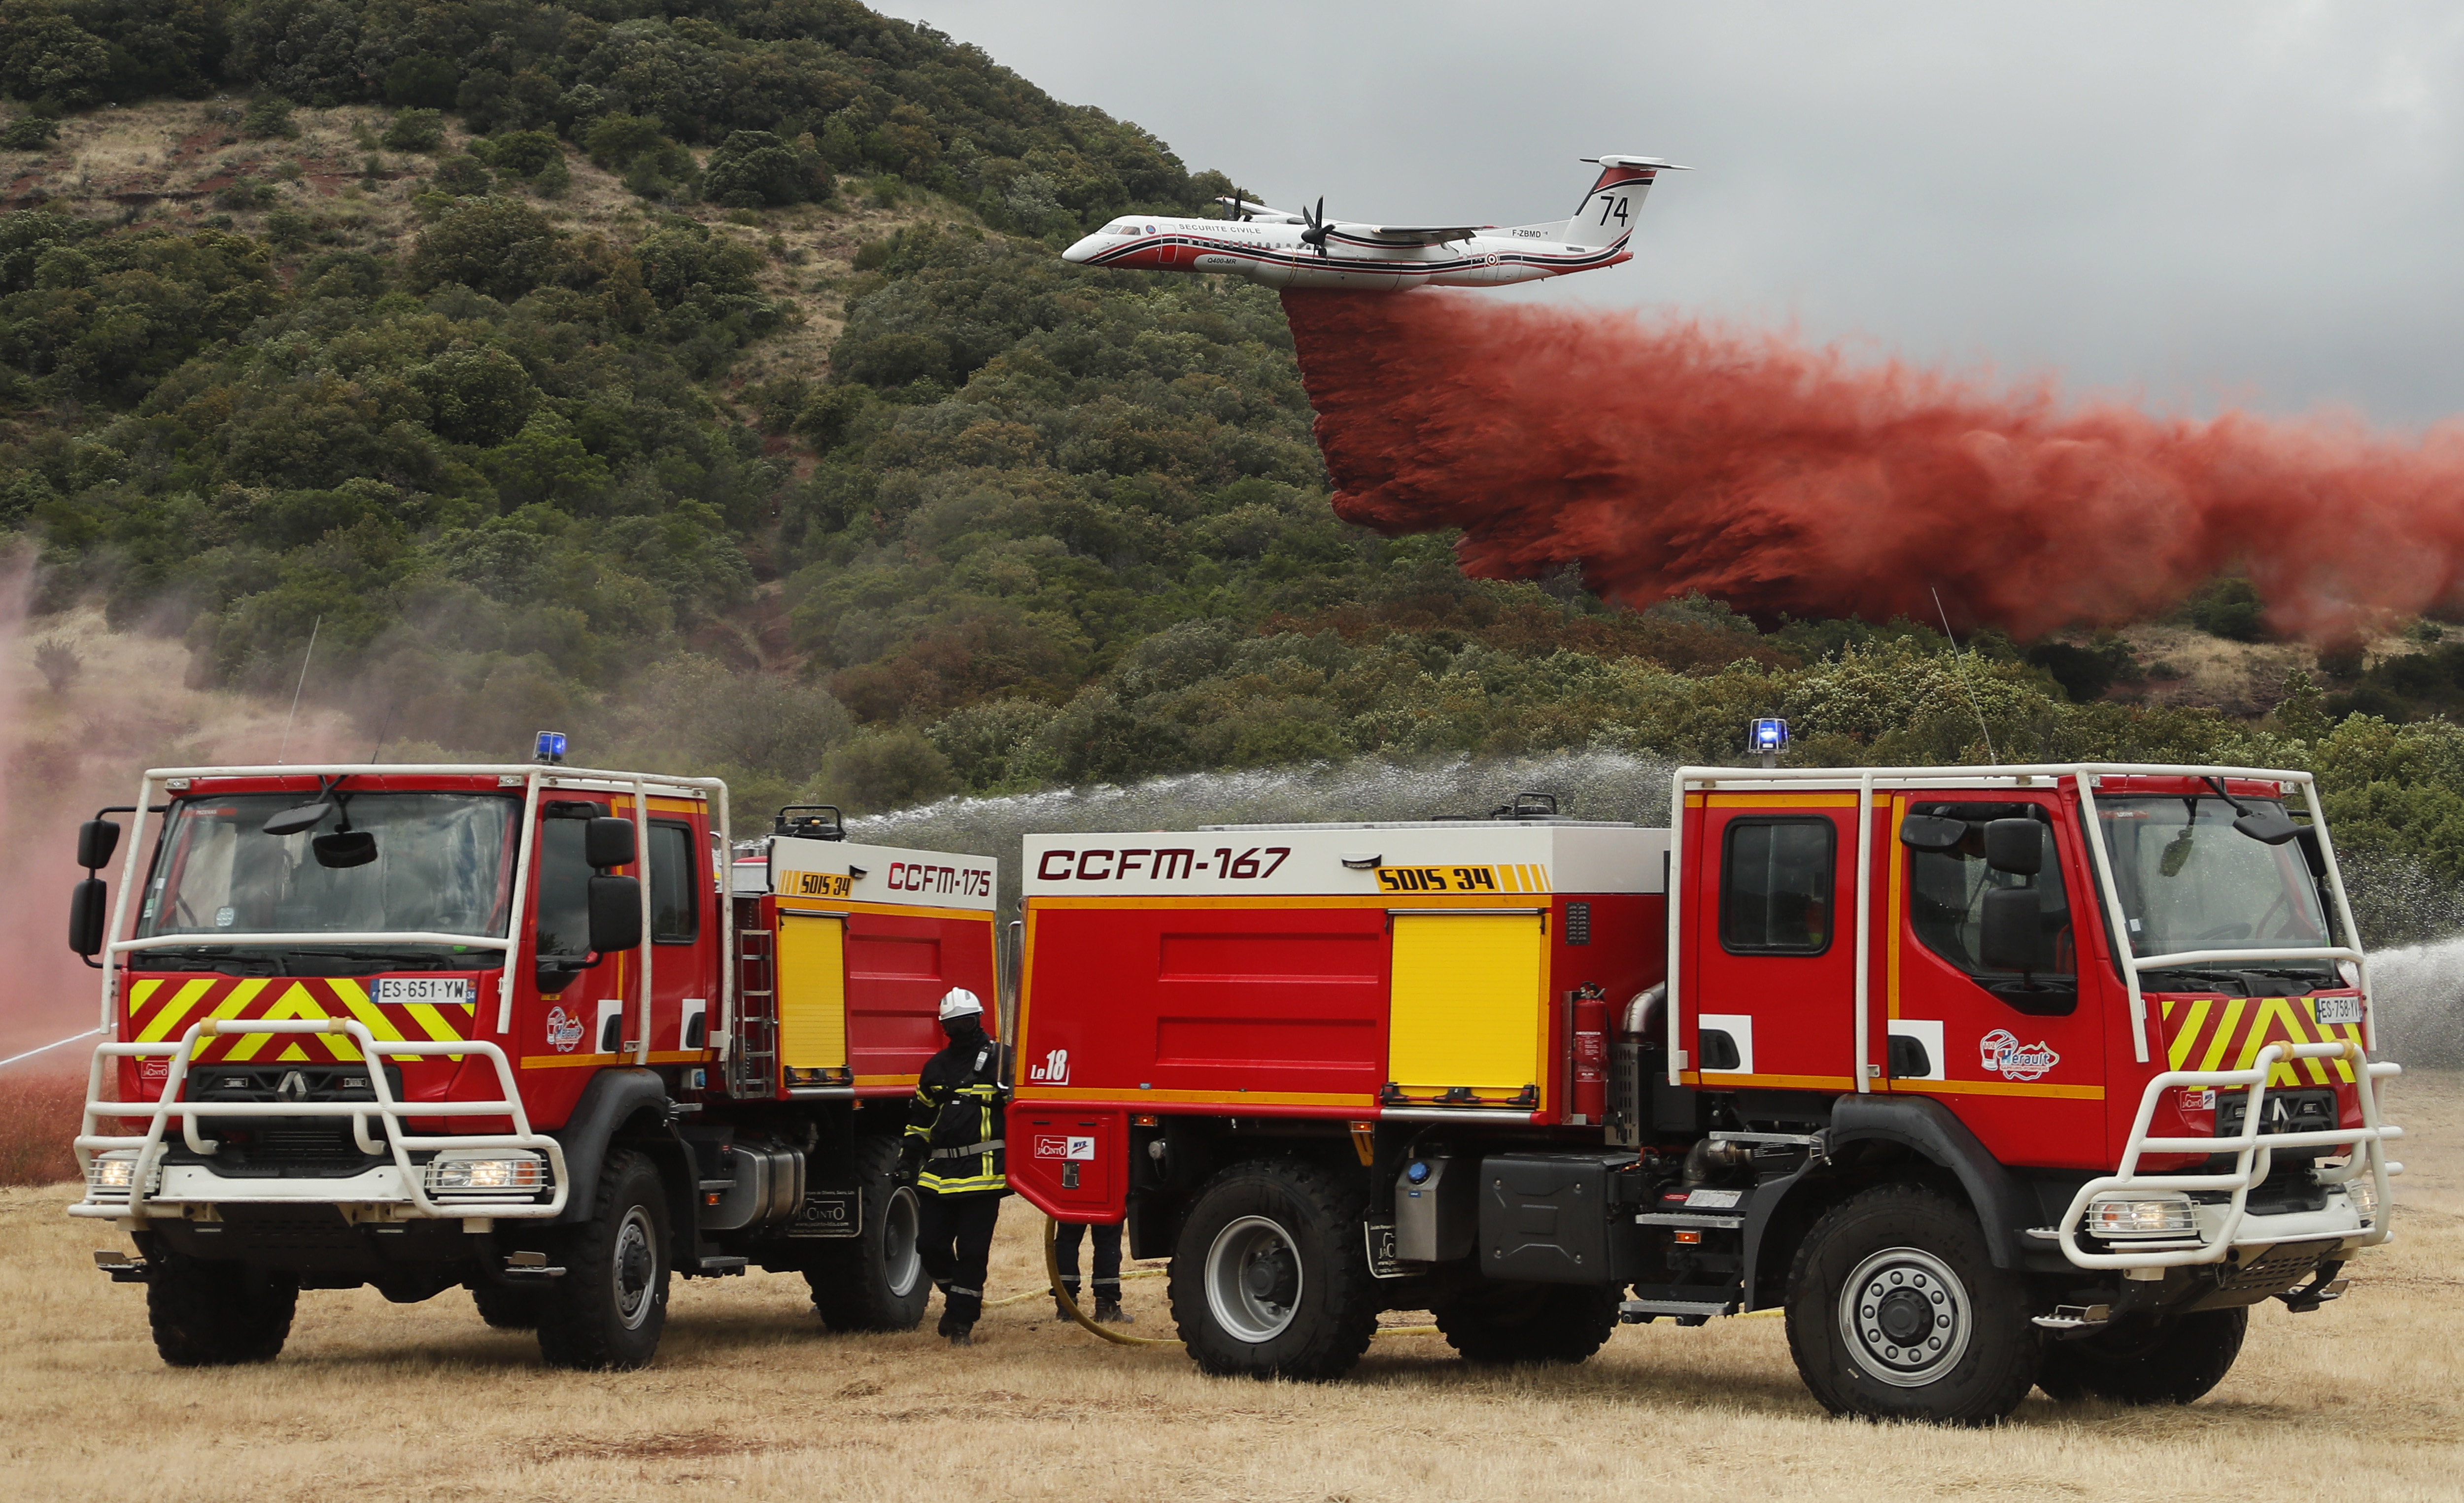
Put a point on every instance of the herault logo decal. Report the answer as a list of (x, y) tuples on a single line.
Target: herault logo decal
[(1054, 1072), (564, 1030), (2014, 1060)]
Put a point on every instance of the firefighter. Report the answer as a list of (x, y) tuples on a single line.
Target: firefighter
[(952, 1155), (1108, 1269)]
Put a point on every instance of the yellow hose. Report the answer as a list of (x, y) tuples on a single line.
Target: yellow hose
[(1062, 1297)]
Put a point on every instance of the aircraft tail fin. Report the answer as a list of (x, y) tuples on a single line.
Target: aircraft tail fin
[(1608, 211)]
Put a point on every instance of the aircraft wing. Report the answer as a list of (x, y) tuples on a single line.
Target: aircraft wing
[(1413, 235)]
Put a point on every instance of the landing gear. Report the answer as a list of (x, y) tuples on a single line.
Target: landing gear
[(874, 1281), (1270, 1277), (1896, 1311), (612, 1303), (1503, 1322), (2148, 1361), (218, 1315)]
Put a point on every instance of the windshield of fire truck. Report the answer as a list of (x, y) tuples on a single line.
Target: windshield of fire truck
[(2189, 880), (443, 865)]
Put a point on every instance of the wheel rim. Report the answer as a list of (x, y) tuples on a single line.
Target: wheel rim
[(636, 1268), (1906, 1317), (1253, 1279), (900, 1262)]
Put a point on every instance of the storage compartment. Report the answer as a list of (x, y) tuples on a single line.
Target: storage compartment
[(1071, 1159), (1548, 1219)]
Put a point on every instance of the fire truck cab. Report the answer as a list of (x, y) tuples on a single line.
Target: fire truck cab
[(1990, 1078), (516, 1029)]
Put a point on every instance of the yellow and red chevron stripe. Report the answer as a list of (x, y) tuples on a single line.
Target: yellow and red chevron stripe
[(2227, 1032), (161, 1009)]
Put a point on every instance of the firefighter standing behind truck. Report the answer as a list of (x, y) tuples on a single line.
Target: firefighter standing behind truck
[(952, 1155)]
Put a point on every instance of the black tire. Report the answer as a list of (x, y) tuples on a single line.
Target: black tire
[(509, 1309), (1935, 1332), (219, 1315), (873, 1281), (1511, 1322), (2149, 1362), (608, 1309), (1270, 1276)]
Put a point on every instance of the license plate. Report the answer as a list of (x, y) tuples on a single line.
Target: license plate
[(2338, 1009), (432, 990)]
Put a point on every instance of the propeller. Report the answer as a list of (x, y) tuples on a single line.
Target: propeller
[(1316, 233), (1240, 206)]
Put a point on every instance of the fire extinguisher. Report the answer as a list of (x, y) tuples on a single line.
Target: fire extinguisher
[(1591, 1054)]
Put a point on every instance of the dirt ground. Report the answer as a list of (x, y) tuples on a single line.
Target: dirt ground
[(750, 1399)]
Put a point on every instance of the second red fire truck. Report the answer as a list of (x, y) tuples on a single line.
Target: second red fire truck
[(1989, 1078)]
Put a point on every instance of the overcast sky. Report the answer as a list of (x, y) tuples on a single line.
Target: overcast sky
[(2195, 203)]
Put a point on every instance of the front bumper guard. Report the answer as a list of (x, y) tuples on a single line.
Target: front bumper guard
[(402, 1184), (2218, 1236)]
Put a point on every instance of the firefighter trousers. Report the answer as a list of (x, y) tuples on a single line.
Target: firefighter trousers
[(954, 1238), (1108, 1256)]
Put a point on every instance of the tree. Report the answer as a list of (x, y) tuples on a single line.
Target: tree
[(414, 130), (480, 396), (58, 663), (756, 170), (269, 118), (490, 245), (46, 55)]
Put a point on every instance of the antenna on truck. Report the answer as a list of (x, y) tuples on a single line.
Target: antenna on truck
[(1962, 668), (305, 658)]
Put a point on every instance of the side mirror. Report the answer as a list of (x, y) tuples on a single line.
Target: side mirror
[(1932, 833), (608, 842), (88, 912), (2268, 827), (2016, 845), (96, 840), (2013, 925), (296, 818), (615, 909)]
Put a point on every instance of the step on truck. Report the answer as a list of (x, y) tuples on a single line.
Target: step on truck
[(533, 1031), (1989, 1079)]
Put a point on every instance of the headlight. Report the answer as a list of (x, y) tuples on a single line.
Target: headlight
[(2141, 1216), (110, 1174), (492, 1174), (2362, 1191)]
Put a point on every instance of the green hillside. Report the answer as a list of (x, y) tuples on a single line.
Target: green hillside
[(700, 377)]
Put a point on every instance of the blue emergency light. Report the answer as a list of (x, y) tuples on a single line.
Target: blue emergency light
[(550, 747), (1769, 736)]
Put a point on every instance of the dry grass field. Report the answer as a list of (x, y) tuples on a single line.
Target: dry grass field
[(2361, 1401)]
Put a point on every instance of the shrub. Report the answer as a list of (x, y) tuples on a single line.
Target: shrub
[(756, 170), (269, 118), (2231, 608), (30, 133), (886, 770), (414, 130), (524, 153), (59, 664), (463, 177)]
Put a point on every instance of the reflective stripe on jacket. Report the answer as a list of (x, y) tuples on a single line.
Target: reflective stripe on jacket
[(965, 1075)]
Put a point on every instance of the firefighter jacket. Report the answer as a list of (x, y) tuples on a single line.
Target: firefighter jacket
[(953, 1143)]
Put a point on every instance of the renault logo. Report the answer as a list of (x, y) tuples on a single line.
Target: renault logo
[(293, 1087)]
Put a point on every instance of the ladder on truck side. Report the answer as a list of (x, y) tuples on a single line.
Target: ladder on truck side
[(753, 1064)]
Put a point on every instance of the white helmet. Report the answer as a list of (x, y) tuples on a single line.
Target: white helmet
[(960, 1003)]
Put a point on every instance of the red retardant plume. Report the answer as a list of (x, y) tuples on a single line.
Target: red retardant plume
[(1673, 458)]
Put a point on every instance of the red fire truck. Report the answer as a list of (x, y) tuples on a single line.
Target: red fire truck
[(1991, 1078), (511, 1029)]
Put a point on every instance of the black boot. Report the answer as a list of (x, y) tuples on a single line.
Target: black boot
[(961, 1335), (1109, 1309)]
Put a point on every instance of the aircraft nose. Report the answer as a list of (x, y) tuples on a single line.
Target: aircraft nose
[(1084, 250)]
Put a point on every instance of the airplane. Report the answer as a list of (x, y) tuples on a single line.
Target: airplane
[(1281, 249)]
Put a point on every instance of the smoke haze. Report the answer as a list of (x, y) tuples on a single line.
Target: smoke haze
[(1673, 457)]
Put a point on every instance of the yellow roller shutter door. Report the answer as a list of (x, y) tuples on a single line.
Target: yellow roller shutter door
[(1468, 1009), (813, 992)]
